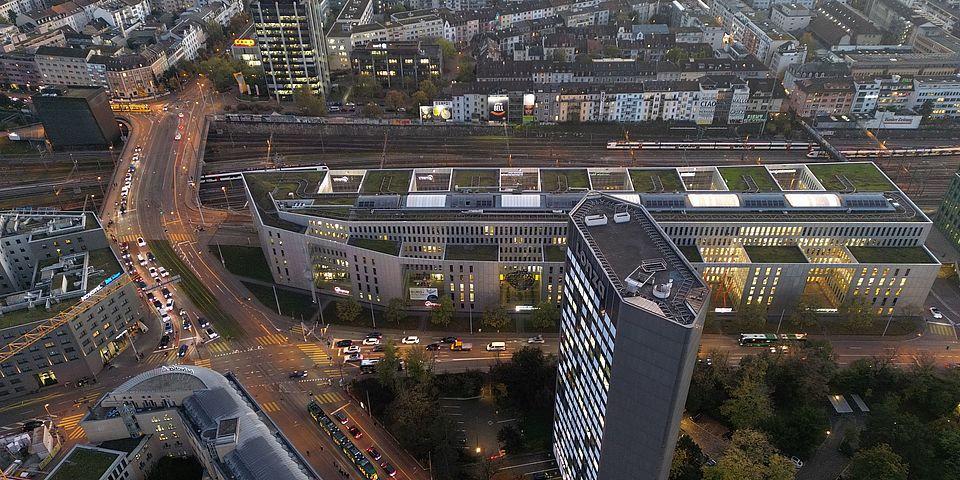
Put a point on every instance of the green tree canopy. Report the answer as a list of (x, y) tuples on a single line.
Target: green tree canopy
[(308, 102), (750, 405), (442, 314), (494, 316), (396, 310), (545, 316), (348, 310), (396, 99), (751, 457), (389, 366), (877, 463), (372, 110)]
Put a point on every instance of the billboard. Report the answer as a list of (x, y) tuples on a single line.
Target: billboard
[(420, 293), (529, 103), (441, 110), (497, 107)]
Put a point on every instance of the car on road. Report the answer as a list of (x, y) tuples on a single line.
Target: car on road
[(380, 348), (166, 292), (298, 374), (351, 350), (186, 324), (341, 417), (168, 328), (410, 340), (374, 335), (355, 431), (797, 462), (388, 469), (496, 347), (30, 425), (180, 115), (163, 272), (537, 339), (141, 242), (178, 136), (371, 341), (448, 339), (164, 341), (356, 357), (153, 273), (183, 350), (150, 257), (213, 335), (203, 322), (344, 343), (935, 313), (433, 346), (141, 260), (374, 454)]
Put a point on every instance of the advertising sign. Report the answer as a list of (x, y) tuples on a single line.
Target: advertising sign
[(497, 107), (441, 110), (420, 293), (244, 42), (529, 103), (341, 291), (426, 112)]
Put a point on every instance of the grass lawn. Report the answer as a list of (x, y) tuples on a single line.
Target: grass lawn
[(553, 253), (295, 305), (244, 261), (826, 325), (386, 181), (643, 180), (775, 255), (84, 464), (476, 178), (348, 200), (866, 177), (735, 182), (890, 254), (556, 180), (389, 247), (473, 252), (199, 294)]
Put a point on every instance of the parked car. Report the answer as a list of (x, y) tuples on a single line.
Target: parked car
[(351, 350), (379, 348), (356, 357), (935, 312), (164, 341), (213, 335), (344, 343), (186, 324), (371, 341), (410, 340), (166, 292), (374, 335)]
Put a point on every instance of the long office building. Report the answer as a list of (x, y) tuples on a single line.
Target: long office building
[(51, 262), (631, 322), (826, 234), (292, 48)]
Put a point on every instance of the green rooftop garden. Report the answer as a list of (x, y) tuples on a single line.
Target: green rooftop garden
[(476, 178), (775, 255), (562, 180), (488, 253), (84, 464), (389, 247), (692, 253), (335, 199), (281, 184), (554, 253), (890, 254), (734, 176), (866, 177), (386, 181), (643, 180)]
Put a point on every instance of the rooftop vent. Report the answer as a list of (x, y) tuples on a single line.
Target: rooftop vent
[(662, 290), (595, 220), (621, 217)]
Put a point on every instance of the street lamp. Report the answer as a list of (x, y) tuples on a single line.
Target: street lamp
[(46, 407), (225, 199)]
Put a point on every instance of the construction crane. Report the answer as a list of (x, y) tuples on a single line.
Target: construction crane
[(24, 341)]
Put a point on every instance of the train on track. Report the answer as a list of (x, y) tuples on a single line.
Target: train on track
[(816, 152), (630, 145)]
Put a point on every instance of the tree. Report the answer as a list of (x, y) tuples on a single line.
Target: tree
[(676, 54), (418, 366), (857, 315), (220, 71), (216, 39), (510, 439), (389, 366), (372, 110), (527, 380), (804, 317), (686, 460), (309, 102), (751, 457), (12, 16), (611, 50), (396, 99), (442, 313), (419, 98), (558, 55), (750, 405), (751, 317), (447, 49), (348, 310), (545, 316), (428, 87), (396, 310), (877, 463), (365, 86), (494, 316)]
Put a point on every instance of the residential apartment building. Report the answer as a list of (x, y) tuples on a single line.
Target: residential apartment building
[(839, 24), (18, 70), (292, 47), (70, 67), (941, 93), (889, 94), (395, 64), (822, 96), (790, 17), (500, 236), (53, 262), (631, 319)]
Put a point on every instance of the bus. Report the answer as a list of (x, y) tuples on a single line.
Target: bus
[(768, 339), (356, 457)]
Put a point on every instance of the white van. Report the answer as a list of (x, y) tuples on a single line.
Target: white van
[(496, 347), (143, 261)]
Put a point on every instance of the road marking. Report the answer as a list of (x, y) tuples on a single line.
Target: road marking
[(71, 425), (329, 397), (272, 339), (271, 407), (315, 353), (205, 363), (219, 347)]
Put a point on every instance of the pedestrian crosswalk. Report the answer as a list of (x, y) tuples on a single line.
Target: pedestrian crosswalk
[(71, 426), (272, 339), (270, 407), (179, 237), (132, 238), (205, 363), (941, 329), (158, 358), (329, 398), (221, 346), (319, 357)]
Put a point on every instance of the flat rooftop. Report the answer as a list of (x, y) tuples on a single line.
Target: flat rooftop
[(639, 259), (84, 463)]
